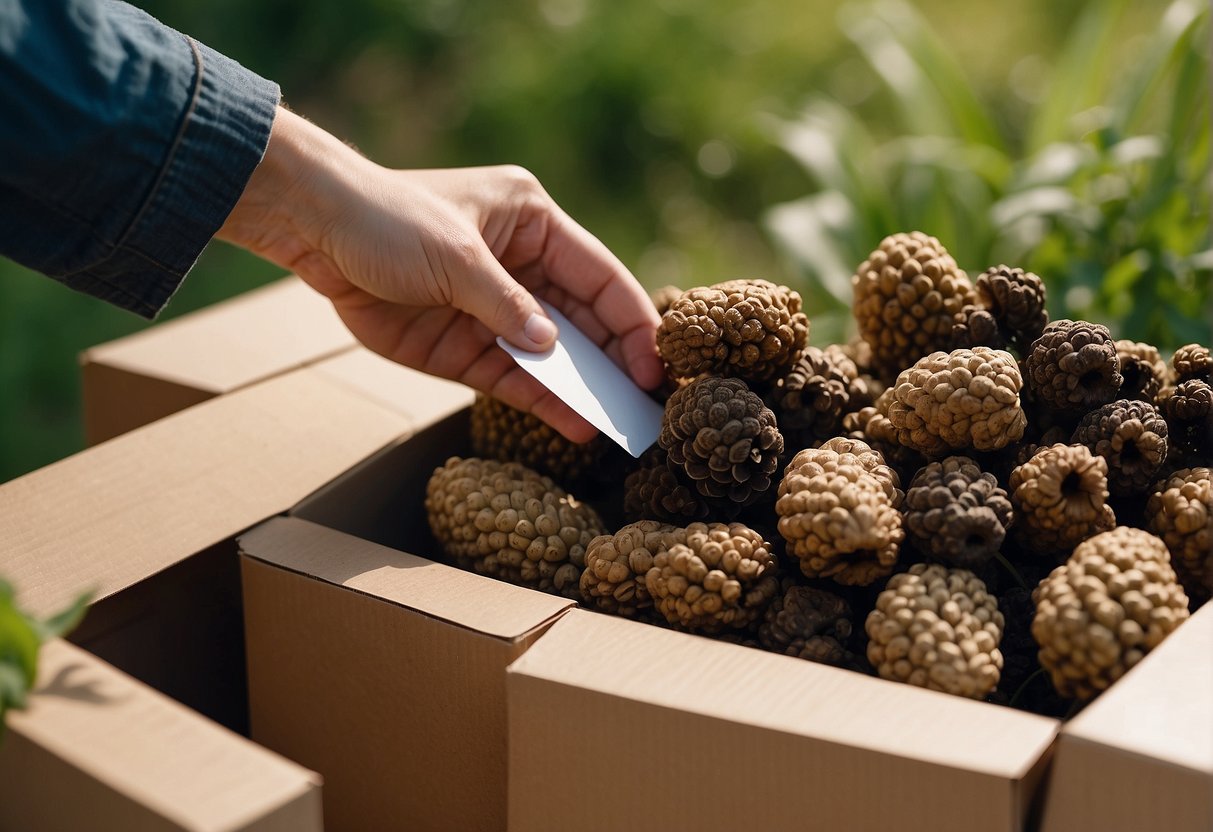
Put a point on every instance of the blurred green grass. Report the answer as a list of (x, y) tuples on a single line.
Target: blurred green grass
[(653, 123)]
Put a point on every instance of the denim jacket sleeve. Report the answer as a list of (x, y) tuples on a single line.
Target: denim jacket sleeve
[(124, 145)]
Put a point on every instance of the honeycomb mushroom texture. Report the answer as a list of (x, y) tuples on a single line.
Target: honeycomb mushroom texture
[(1188, 409), (1192, 361), (663, 296), (655, 491), (965, 399), (809, 623), (1073, 366), (1115, 599), (1181, 513), (507, 434), (616, 566), (869, 425), (1060, 498), (1016, 300), (1132, 437), (977, 327), (811, 399), (504, 520), (937, 628), (956, 513), (720, 578), (752, 329), (725, 440), (907, 296), (852, 450), (839, 518), (1142, 370)]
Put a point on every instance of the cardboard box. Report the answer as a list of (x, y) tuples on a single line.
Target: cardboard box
[(97, 750), (146, 521), (380, 669), (616, 724), (135, 380), (1141, 755)]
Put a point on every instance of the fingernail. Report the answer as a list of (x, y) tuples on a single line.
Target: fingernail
[(539, 329)]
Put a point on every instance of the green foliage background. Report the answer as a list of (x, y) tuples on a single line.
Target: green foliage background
[(708, 140)]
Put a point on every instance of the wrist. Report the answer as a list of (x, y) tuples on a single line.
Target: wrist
[(291, 197)]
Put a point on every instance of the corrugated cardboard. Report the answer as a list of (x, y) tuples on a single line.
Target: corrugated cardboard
[(146, 376), (139, 508), (1141, 755), (616, 724), (97, 750), (404, 657), (386, 673)]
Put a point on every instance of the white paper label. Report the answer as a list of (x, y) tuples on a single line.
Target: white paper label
[(585, 379)]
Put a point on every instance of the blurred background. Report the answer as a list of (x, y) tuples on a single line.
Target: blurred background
[(705, 140)]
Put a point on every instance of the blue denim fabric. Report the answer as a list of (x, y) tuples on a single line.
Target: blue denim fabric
[(124, 145)]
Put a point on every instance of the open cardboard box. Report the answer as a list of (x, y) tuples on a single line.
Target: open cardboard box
[(96, 749), (617, 724), (612, 723), (378, 668), (147, 521), (135, 380), (1141, 755)]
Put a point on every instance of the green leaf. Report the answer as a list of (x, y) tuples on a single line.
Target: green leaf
[(922, 71), (64, 621), (1079, 76), (810, 229), (1167, 45), (13, 689), (18, 651)]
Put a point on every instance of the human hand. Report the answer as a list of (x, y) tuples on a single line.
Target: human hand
[(427, 267)]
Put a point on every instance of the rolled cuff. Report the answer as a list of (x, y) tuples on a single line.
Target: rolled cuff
[(221, 139)]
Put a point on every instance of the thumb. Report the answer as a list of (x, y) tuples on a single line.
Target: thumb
[(488, 293)]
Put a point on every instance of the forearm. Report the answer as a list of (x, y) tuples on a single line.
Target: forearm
[(123, 146), (305, 182)]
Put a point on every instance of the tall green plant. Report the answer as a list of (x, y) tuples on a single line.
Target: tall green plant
[(20, 637), (1103, 190)]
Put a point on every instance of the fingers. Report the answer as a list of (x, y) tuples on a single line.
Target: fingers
[(453, 345), (481, 287), (579, 263)]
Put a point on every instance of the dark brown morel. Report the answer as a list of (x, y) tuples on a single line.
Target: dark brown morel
[(811, 624), (1142, 370), (655, 491), (1073, 366), (956, 513), (1132, 437), (725, 440), (810, 401), (1188, 409)]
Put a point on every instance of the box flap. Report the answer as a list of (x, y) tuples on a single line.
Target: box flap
[(232, 344), (426, 399), (665, 668), (156, 755), (437, 590), (110, 516), (1163, 707)]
